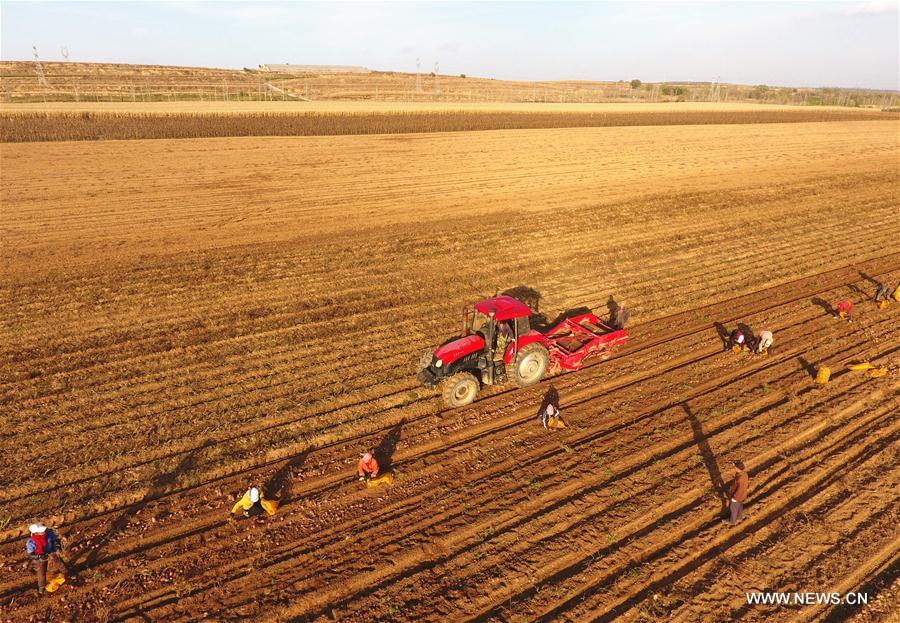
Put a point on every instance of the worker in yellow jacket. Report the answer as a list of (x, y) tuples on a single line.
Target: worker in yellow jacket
[(255, 504)]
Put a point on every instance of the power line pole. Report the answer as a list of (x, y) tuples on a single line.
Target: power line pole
[(418, 76), (437, 80), (38, 68), (65, 53)]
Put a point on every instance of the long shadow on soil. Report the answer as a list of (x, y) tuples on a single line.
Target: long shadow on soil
[(709, 459), (825, 305), (527, 295), (158, 485), (723, 335), (869, 278), (384, 452), (280, 485), (807, 367), (871, 589)]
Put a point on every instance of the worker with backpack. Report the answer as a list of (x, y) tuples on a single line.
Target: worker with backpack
[(43, 546)]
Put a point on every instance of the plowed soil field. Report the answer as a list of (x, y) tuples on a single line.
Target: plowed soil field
[(181, 319)]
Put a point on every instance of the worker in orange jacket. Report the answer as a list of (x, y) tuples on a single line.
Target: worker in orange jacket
[(368, 466), (844, 309)]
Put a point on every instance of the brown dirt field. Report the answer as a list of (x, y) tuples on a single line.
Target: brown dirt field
[(185, 317)]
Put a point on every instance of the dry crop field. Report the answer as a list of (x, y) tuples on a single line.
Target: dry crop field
[(182, 318), (107, 121)]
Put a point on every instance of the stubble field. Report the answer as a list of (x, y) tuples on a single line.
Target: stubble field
[(181, 318)]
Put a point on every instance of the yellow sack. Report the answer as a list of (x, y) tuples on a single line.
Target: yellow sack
[(883, 304), (843, 315), (383, 479), (270, 506), (897, 294), (877, 372), (823, 375), (861, 366), (556, 423), (55, 583)]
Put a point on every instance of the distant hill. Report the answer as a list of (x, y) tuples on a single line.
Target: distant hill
[(20, 81)]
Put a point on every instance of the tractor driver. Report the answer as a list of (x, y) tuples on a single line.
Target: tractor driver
[(505, 335)]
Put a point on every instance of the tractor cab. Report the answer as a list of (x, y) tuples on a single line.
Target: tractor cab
[(499, 321), (494, 331)]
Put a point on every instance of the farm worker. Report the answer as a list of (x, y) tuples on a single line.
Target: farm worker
[(844, 309), (883, 293), (738, 339), (368, 466), (738, 492), (254, 504), (621, 317), (42, 546), (505, 335), (764, 342), (550, 415)]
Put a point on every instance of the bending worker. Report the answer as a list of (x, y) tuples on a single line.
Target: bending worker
[(844, 309), (738, 339), (368, 466), (884, 293), (764, 342), (254, 504)]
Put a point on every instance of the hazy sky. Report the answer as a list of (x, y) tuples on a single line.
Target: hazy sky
[(850, 44)]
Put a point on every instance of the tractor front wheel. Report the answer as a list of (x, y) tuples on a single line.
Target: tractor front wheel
[(529, 365), (460, 389)]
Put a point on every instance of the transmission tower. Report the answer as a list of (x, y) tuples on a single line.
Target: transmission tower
[(418, 75), (715, 89), (437, 79), (65, 53), (38, 68)]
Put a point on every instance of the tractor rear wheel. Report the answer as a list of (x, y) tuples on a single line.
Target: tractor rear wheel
[(460, 389), (529, 365)]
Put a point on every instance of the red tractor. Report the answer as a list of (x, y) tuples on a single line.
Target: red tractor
[(498, 345)]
